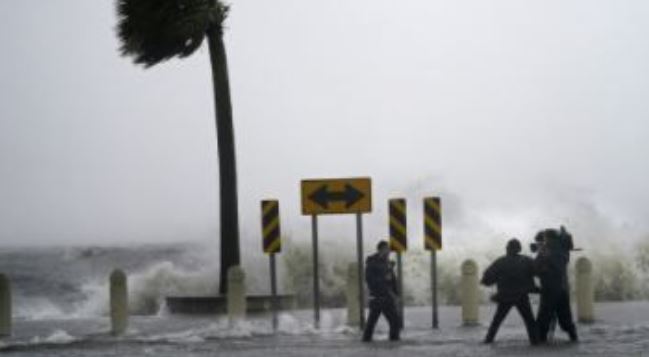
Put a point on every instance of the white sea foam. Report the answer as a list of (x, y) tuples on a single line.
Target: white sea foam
[(289, 324), (222, 328), (148, 288), (34, 309), (56, 337), (189, 336)]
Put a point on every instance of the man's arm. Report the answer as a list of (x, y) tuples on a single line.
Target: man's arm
[(491, 274)]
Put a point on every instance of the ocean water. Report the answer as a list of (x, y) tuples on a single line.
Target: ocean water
[(61, 299)]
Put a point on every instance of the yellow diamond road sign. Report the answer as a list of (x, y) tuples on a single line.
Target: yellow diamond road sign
[(336, 196)]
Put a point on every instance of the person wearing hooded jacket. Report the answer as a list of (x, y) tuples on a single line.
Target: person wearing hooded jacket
[(513, 275)]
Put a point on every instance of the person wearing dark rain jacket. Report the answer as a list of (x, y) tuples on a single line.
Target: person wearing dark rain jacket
[(551, 266), (379, 277), (513, 275)]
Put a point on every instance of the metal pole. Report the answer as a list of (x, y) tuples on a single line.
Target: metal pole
[(359, 252), (273, 290), (400, 287), (316, 276), (433, 275)]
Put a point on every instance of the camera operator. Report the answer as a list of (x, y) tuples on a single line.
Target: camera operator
[(551, 264)]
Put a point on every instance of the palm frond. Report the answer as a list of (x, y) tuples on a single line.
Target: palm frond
[(153, 31)]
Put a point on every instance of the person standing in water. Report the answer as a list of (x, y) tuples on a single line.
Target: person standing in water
[(513, 275), (383, 297), (551, 266)]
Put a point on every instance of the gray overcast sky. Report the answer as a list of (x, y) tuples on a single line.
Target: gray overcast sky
[(520, 113)]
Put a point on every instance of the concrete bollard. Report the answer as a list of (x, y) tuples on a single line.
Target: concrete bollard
[(584, 290), (470, 293), (5, 306), (118, 302), (236, 296), (351, 293)]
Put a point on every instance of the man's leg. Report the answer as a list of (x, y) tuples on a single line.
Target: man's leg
[(546, 312), (375, 312), (564, 316), (499, 316), (391, 313), (552, 326), (525, 309)]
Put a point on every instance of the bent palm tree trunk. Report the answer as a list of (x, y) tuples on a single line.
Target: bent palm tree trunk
[(230, 255)]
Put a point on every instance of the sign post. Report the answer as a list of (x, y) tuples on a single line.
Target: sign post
[(337, 196), (433, 243), (433, 284), (359, 258), (272, 244), (398, 242), (316, 274)]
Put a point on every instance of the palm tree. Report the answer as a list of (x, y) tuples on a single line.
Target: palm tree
[(153, 31)]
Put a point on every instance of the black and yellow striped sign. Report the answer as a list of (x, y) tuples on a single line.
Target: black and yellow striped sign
[(398, 225), (272, 240), (432, 223)]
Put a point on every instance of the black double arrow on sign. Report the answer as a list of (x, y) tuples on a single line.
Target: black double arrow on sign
[(349, 196)]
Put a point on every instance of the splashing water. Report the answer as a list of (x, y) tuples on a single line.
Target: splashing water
[(78, 287)]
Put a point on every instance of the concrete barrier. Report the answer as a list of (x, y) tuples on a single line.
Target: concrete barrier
[(236, 296), (118, 302), (351, 294), (584, 290), (5, 306), (470, 293)]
